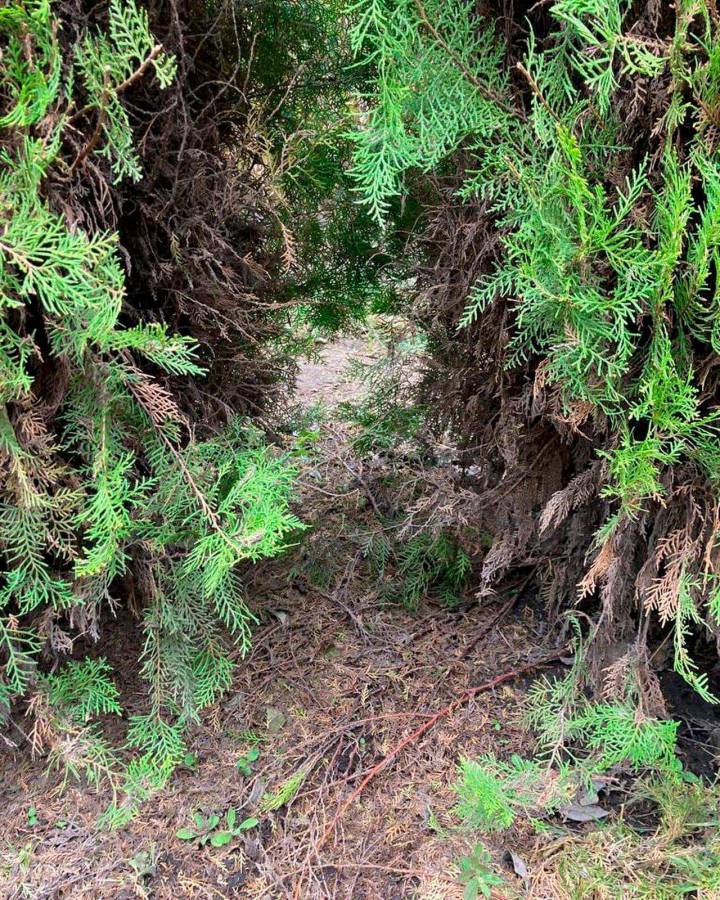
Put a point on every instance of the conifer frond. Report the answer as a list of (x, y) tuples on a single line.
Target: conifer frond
[(610, 284), (109, 474), (84, 689), (601, 48), (31, 77), (107, 64), (436, 69)]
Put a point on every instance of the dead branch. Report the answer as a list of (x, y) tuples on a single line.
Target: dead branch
[(426, 726)]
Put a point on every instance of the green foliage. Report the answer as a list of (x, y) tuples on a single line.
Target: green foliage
[(243, 515), (68, 701), (598, 50), (103, 477), (485, 800), (84, 689), (620, 734), (32, 83), (610, 267), (477, 875), (492, 791), (412, 568), (675, 857), (435, 71), (687, 615), (245, 763), (345, 270), (213, 830), (600, 735), (106, 62), (157, 747), (285, 793), (578, 740), (334, 259), (77, 282)]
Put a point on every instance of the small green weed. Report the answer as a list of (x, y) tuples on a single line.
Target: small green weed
[(211, 830), (144, 866), (477, 875), (244, 764)]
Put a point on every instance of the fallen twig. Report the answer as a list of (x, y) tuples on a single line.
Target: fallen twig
[(426, 726)]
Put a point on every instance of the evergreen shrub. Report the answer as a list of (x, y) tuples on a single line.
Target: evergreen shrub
[(567, 156), (103, 482)]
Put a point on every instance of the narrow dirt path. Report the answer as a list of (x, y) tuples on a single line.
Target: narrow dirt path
[(333, 682), (327, 380)]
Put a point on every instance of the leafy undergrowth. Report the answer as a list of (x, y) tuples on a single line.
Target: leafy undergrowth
[(621, 818), (344, 665), (605, 807), (338, 673), (661, 845)]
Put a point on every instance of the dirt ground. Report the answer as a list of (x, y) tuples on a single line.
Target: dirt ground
[(334, 682), (326, 379)]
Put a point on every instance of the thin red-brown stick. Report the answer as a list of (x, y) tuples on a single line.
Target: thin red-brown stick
[(425, 727)]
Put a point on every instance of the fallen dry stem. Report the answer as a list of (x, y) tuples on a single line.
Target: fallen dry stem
[(419, 732)]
